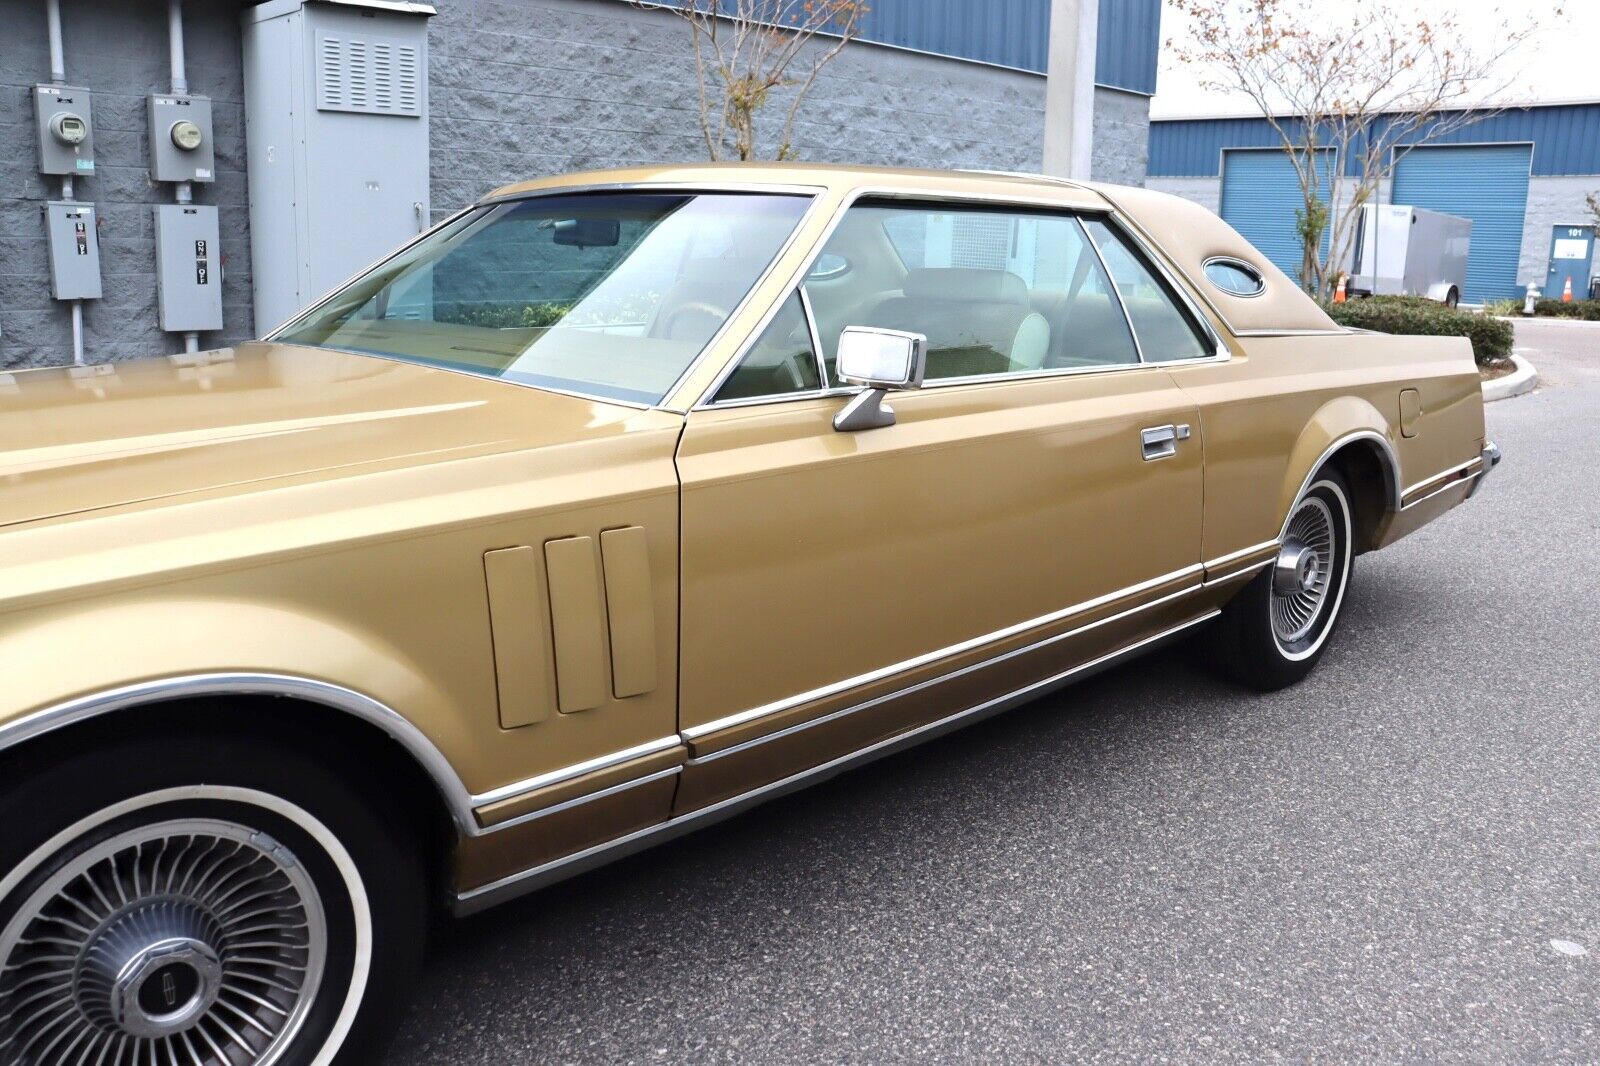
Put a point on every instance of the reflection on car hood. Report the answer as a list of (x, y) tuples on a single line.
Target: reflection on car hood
[(83, 438)]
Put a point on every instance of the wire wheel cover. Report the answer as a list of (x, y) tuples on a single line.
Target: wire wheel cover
[(195, 942), (1296, 613)]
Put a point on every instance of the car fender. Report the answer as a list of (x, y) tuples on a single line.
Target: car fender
[(1337, 424), (94, 659)]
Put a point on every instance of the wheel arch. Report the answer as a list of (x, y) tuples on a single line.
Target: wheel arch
[(1351, 434), (359, 733)]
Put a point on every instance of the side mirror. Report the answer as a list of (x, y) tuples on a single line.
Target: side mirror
[(880, 359)]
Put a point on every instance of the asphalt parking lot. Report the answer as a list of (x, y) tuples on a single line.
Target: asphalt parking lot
[(1397, 860)]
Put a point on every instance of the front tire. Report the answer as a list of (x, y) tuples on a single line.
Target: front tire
[(200, 900), (1275, 630)]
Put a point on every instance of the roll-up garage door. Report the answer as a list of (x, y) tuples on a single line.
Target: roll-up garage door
[(1260, 195), (1486, 183)]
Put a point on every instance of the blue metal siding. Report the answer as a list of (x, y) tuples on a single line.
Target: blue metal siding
[(1260, 195), (1488, 184), (1012, 33), (1566, 140), (1128, 44)]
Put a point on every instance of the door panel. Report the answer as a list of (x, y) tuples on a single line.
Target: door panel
[(822, 568)]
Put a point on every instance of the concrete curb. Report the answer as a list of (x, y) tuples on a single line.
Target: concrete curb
[(1522, 380)]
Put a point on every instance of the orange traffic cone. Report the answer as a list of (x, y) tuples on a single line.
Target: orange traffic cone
[(1339, 296), (1566, 293)]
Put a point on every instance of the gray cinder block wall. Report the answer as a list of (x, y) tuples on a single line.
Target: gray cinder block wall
[(118, 49), (518, 89)]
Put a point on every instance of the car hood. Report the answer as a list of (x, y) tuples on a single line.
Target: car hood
[(86, 438)]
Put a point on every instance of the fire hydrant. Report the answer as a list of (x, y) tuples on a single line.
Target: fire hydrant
[(1529, 300)]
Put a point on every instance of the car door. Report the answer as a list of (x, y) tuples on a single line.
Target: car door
[(1035, 506)]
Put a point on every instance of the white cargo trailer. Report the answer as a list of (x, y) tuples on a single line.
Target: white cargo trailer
[(1409, 251)]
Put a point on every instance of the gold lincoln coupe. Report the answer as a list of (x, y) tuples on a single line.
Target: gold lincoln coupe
[(612, 506)]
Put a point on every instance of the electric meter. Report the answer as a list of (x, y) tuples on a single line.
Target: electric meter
[(68, 128), (186, 135)]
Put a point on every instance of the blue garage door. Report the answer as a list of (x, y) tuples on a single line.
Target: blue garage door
[(1488, 184), (1260, 195)]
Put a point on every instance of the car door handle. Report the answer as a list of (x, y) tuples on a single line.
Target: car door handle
[(1160, 442)]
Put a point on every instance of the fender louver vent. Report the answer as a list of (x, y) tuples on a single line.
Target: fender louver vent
[(370, 76)]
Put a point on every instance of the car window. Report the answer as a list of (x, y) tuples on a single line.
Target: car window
[(780, 362), (611, 295), (1166, 333), (996, 290)]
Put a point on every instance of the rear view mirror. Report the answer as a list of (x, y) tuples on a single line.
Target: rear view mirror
[(880, 359), (588, 232)]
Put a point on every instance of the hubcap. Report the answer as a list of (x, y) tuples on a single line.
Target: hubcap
[(197, 942), (1303, 573)]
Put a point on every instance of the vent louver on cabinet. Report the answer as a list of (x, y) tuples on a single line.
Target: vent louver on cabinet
[(368, 75)]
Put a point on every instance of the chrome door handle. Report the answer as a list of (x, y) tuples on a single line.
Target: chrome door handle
[(1161, 442)]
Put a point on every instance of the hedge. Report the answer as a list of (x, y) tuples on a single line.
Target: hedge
[(1416, 316), (1588, 310)]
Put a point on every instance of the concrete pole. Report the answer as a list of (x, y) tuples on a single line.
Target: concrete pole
[(1069, 89)]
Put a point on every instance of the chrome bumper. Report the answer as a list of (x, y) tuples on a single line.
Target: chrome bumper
[(1491, 459)]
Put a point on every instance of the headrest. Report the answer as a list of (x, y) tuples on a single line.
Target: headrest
[(966, 284)]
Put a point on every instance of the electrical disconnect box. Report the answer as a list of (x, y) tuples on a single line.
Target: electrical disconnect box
[(74, 251), (180, 139), (336, 119), (65, 132), (187, 267)]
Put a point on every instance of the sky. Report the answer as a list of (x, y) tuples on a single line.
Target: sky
[(1559, 61)]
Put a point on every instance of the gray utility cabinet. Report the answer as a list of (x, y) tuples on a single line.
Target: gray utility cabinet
[(336, 127)]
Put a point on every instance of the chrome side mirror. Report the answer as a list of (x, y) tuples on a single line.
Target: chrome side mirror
[(880, 359)]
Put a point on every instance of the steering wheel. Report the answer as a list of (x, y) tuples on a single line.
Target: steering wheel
[(664, 327)]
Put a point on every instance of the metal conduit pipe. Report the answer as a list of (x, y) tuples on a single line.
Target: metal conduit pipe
[(183, 191), (58, 62)]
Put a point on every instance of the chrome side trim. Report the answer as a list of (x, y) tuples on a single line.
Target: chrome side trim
[(844, 712), (1447, 475), (579, 769), (579, 801), (1470, 480), (451, 790), (549, 873), (1218, 569), (1232, 557), (752, 714)]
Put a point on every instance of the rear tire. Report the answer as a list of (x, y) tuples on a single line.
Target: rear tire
[(1274, 631), (201, 899)]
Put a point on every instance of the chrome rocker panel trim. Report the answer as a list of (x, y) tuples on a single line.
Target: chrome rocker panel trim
[(549, 873)]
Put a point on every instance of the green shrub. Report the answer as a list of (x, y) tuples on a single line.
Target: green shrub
[(1503, 308), (1417, 316), (1587, 310)]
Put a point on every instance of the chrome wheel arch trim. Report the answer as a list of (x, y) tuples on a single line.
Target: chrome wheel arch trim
[(1390, 467), (361, 965), (396, 726)]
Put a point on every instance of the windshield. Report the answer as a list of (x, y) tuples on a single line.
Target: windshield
[(605, 294)]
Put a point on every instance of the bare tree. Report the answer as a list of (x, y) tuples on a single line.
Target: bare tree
[(746, 49), (1347, 91)]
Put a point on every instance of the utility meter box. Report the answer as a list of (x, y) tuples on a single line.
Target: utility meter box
[(65, 129), (180, 139), (336, 122), (188, 278), (74, 251)]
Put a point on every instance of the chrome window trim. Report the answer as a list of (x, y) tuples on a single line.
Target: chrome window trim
[(1116, 289), (816, 338), (816, 194), (1220, 352), (882, 673), (399, 728), (548, 873), (1236, 262)]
